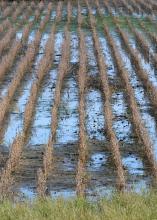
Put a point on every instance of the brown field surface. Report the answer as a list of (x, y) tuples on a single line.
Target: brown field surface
[(78, 97)]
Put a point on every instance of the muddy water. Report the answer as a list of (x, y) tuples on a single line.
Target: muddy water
[(147, 66), (100, 169), (19, 34), (68, 113), (84, 11), (57, 47), (111, 72), (74, 12), (15, 122), (68, 128), (8, 77), (123, 127), (95, 121), (64, 13), (41, 125), (147, 39), (143, 101), (42, 120), (74, 56), (53, 14), (98, 165), (67, 135), (91, 57), (121, 124), (67, 131), (135, 162)]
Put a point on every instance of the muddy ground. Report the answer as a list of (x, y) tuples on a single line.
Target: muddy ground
[(100, 168)]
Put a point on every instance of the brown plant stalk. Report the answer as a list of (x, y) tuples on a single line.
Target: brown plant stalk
[(142, 74), (10, 35), (81, 179), (9, 59), (140, 129), (107, 105), (81, 175), (47, 160), (59, 11), (17, 146), (23, 66), (69, 11)]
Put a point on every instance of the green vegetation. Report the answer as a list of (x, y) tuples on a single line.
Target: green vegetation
[(127, 206)]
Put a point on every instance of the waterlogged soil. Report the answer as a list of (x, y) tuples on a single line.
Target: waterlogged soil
[(101, 172)]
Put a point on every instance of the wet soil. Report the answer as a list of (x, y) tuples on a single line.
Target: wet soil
[(101, 171)]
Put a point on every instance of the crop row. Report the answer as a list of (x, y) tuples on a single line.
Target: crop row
[(107, 105), (44, 66), (140, 129), (24, 65), (81, 176)]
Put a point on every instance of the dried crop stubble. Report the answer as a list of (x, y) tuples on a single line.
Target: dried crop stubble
[(62, 71), (142, 74), (107, 105), (81, 176), (140, 129), (17, 146), (9, 59)]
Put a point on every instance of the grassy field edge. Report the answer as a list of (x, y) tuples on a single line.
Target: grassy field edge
[(131, 206)]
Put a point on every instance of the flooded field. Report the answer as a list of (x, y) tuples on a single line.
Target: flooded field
[(78, 98)]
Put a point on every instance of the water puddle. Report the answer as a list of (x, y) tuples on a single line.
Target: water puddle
[(64, 13), (27, 193), (95, 121), (19, 34), (42, 122), (74, 49), (53, 15), (97, 161), (98, 192), (100, 168), (8, 78), (143, 102), (58, 46), (31, 18), (93, 69), (31, 36), (94, 11), (145, 65), (84, 11), (68, 112), (74, 12), (121, 124), (66, 194), (68, 128), (16, 117), (108, 59), (134, 165)]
